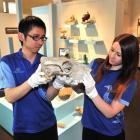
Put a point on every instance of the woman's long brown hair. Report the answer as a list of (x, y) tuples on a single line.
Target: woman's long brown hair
[(130, 59)]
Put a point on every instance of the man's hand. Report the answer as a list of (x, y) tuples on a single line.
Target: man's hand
[(90, 88), (37, 78), (61, 81)]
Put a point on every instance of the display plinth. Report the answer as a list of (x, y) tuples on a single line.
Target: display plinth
[(65, 113)]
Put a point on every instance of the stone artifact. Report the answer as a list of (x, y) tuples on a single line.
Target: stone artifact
[(53, 66), (85, 17), (71, 20), (65, 93), (61, 125), (79, 109), (63, 33)]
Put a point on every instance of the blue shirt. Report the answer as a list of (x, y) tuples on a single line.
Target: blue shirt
[(92, 118), (31, 113)]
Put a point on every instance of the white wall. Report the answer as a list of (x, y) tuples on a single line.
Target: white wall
[(124, 16), (135, 15), (104, 12), (7, 20), (46, 14), (1, 5), (112, 18)]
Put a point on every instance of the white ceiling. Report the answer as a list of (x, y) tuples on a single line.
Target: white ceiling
[(28, 4)]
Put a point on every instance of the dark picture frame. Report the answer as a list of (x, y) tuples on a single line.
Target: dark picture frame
[(64, 51), (11, 30), (61, 51)]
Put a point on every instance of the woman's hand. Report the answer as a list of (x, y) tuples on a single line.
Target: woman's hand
[(90, 88)]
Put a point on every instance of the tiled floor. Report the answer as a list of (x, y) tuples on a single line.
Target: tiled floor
[(132, 116), (132, 119), (4, 135)]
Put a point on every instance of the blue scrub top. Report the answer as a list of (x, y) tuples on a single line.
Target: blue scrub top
[(92, 118), (31, 113)]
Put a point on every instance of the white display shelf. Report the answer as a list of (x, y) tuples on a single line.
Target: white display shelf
[(70, 120), (64, 111), (57, 102), (79, 25), (73, 41), (86, 41), (64, 108), (5, 103), (6, 115)]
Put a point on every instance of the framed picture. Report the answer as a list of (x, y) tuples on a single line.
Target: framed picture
[(2, 93), (64, 51), (68, 0), (11, 30), (138, 21)]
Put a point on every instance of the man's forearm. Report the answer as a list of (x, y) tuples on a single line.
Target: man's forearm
[(52, 93), (14, 94)]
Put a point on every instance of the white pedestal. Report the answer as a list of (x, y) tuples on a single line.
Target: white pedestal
[(65, 113)]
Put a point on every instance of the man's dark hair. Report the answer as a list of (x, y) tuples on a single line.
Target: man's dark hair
[(27, 23)]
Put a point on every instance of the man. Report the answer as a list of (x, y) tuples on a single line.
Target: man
[(26, 88)]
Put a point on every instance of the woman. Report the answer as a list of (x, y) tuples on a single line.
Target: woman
[(108, 89)]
